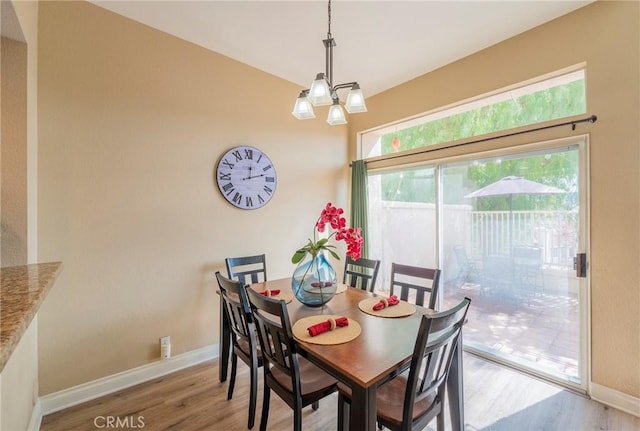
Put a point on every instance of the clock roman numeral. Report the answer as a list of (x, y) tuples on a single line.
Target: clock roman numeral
[(260, 199), (270, 179), (225, 176), (266, 168), (228, 188), (237, 198), (237, 155), (268, 190), (259, 158), (248, 201), (248, 153), (226, 163)]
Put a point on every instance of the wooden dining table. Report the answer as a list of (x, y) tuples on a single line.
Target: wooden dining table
[(382, 350)]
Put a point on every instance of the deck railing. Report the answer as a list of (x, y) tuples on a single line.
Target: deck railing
[(497, 232)]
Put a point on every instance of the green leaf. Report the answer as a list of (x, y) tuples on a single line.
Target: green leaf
[(299, 255), (334, 254)]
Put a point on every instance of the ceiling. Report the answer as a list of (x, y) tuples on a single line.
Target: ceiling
[(380, 44)]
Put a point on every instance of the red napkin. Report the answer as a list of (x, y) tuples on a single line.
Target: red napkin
[(386, 302), (327, 325), (273, 292)]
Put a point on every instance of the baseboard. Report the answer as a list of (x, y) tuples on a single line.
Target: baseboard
[(615, 399), (87, 391), (36, 417)]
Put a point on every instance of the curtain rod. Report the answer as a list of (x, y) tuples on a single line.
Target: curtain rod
[(591, 119)]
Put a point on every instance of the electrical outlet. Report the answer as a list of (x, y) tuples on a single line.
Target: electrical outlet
[(165, 347)]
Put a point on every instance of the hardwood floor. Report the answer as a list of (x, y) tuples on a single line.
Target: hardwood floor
[(496, 399)]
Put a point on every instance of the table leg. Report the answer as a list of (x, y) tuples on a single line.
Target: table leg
[(362, 415), (225, 343), (455, 389)]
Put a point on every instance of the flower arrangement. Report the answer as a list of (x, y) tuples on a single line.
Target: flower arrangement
[(332, 216)]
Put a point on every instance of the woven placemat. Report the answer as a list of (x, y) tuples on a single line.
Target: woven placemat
[(286, 296), (337, 336), (401, 309)]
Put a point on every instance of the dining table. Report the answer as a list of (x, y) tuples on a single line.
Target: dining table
[(382, 350)]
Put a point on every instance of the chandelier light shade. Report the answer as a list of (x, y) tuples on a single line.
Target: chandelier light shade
[(355, 100), (322, 91), (303, 110), (336, 114)]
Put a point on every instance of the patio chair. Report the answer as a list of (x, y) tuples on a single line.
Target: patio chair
[(467, 271)]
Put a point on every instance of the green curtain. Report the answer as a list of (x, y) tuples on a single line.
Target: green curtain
[(359, 201)]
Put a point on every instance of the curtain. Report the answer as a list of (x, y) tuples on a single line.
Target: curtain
[(359, 202)]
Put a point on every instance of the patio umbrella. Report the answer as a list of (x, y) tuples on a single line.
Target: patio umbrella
[(512, 185)]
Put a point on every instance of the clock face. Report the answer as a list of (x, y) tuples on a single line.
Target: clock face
[(246, 177)]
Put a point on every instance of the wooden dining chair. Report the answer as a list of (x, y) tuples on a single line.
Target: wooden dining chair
[(409, 279), (247, 269), (244, 342), (296, 380), (412, 399), (361, 273)]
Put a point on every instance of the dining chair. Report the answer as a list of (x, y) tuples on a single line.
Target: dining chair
[(412, 399), (361, 273), (247, 269), (422, 280), (244, 342), (293, 378)]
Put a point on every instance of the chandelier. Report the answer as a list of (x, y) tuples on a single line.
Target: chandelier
[(322, 91)]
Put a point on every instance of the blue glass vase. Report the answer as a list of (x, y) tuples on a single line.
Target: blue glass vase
[(314, 281)]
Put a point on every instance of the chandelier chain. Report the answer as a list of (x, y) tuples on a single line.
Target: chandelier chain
[(329, 20)]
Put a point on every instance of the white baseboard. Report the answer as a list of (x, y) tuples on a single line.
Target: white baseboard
[(87, 391), (615, 399), (36, 417)]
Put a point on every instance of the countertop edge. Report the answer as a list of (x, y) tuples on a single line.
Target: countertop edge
[(22, 291)]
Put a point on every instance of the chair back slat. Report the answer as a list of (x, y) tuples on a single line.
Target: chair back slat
[(247, 269), (236, 305), (361, 273), (276, 337), (432, 357), (415, 281)]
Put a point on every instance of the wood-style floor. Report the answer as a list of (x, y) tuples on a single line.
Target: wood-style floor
[(496, 399)]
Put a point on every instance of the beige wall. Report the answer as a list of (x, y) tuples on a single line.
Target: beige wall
[(606, 36), (13, 134), (131, 124)]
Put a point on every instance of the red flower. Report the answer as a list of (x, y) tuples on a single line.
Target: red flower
[(333, 216)]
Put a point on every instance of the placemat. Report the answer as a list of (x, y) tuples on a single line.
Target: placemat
[(401, 309), (337, 336), (286, 296), (341, 288)]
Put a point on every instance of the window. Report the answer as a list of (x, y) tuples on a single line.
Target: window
[(549, 99)]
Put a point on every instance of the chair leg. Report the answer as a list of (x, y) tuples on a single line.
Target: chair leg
[(342, 405), (265, 408), (253, 395), (232, 381), (315, 405), (297, 419)]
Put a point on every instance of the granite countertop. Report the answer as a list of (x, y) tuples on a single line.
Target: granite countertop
[(23, 288)]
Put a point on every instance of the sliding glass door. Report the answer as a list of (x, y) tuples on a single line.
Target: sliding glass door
[(504, 228)]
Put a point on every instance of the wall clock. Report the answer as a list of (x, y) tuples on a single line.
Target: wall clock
[(246, 177)]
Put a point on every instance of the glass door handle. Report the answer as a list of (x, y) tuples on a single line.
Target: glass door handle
[(580, 265)]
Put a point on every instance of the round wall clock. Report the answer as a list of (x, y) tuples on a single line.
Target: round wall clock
[(246, 177)]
